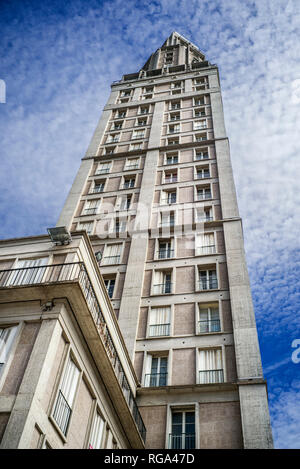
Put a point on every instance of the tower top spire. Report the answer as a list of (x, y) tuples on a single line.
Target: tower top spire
[(176, 50)]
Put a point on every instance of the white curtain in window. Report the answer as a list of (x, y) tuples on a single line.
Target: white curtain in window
[(7, 336), (210, 360), (69, 382), (96, 432), (205, 243)]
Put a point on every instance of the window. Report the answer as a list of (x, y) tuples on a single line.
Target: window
[(125, 202), (110, 150), (199, 112), (136, 146), (156, 371), (88, 227), (204, 214), (7, 336), (120, 225), (138, 134), (168, 197), (98, 187), (125, 93), (28, 271), (174, 105), (103, 168), (170, 176), (91, 207), (165, 250), (208, 279), (162, 282), (121, 113), (210, 366), (112, 254), (167, 219), (173, 129), (132, 163), (129, 182), (199, 101), (144, 110), (142, 121), (182, 434), (176, 84), (171, 158), (201, 124), (110, 285), (66, 396), (174, 116), (96, 433), (201, 154), (205, 244), (173, 141), (159, 321), (204, 193), (202, 172), (113, 138), (201, 137), (118, 125), (209, 319)]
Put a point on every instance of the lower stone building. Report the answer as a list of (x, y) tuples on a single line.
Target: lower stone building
[(66, 380)]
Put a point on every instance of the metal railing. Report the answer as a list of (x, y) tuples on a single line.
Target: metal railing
[(102, 171), (200, 156), (182, 441), (211, 376), (203, 175), (156, 379), (165, 253), (210, 249), (97, 189), (90, 211), (203, 219), (76, 271), (157, 330), (209, 325), (162, 288), (204, 195), (208, 284), (62, 413), (168, 200)]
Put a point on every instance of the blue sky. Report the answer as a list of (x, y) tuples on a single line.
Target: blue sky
[(58, 60)]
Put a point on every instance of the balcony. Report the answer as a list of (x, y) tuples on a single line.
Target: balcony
[(212, 325), (97, 189), (71, 280), (90, 211), (211, 376), (158, 330), (162, 288), (102, 171), (204, 195), (156, 379), (182, 441), (170, 179), (168, 200)]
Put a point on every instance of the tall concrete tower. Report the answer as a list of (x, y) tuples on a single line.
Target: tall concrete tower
[(155, 192)]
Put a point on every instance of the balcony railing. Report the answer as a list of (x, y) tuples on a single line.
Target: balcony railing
[(165, 253), (168, 200), (157, 330), (162, 288), (182, 441), (211, 325), (204, 195), (90, 211), (206, 250), (102, 171), (109, 260), (156, 379), (203, 219), (62, 413), (211, 376), (202, 156), (76, 271), (203, 175), (97, 189), (208, 284), (170, 179)]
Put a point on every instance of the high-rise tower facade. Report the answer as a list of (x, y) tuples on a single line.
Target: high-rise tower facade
[(156, 195)]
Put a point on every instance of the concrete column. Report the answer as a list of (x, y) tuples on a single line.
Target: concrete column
[(18, 431), (133, 284)]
